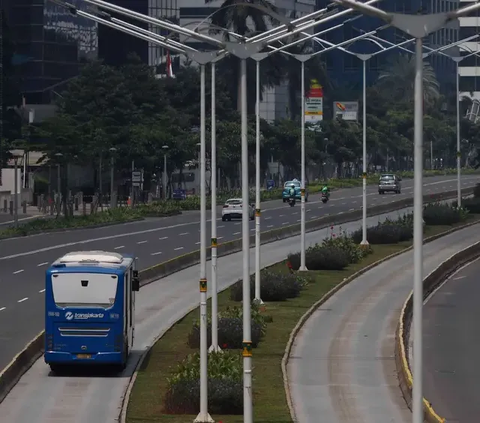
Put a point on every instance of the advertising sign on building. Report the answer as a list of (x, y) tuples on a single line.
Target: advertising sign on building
[(314, 103), (346, 110)]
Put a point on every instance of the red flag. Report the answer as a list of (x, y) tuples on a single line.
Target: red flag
[(169, 70)]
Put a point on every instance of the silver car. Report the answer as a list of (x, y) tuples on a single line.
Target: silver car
[(389, 182)]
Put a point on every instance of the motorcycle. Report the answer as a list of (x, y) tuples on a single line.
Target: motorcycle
[(325, 198), (291, 201)]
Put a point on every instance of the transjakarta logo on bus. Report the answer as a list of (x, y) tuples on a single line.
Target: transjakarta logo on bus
[(83, 316)]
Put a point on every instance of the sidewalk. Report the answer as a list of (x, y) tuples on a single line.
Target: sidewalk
[(342, 366)]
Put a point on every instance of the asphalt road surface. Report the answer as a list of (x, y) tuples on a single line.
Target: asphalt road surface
[(23, 260), (88, 396), (451, 348), (343, 361)]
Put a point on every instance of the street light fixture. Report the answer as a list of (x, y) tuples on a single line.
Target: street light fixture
[(112, 150), (243, 52), (417, 26), (164, 182)]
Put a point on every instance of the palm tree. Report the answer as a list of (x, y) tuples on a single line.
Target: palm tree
[(398, 80), (235, 15)]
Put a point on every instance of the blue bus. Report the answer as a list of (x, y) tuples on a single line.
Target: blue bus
[(90, 309)]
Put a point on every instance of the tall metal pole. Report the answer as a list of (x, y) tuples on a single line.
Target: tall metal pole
[(417, 403), (165, 177), (459, 185), (258, 298), (112, 176), (431, 155), (364, 170), (203, 416), (15, 197), (303, 266), (247, 336), (213, 159)]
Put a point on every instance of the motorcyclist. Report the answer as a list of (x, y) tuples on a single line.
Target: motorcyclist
[(291, 192), (326, 191)]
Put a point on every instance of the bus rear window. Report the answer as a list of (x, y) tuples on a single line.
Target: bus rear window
[(84, 289)]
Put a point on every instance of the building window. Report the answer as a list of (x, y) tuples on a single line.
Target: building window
[(469, 83)]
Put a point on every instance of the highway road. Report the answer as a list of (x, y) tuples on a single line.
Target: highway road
[(451, 349), (342, 365), (24, 260), (42, 398)]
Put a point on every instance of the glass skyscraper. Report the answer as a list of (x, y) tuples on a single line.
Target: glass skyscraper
[(51, 45)]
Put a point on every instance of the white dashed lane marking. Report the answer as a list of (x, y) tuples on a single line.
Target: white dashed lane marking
[(156, 254), (142, 242), (22, 300), (41, 291), (42, 264), (183, 234), (2, 308), (18, 271), (119, 247), (163, 237)]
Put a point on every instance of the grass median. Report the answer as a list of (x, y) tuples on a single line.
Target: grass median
[(103, 218), (147, 401)]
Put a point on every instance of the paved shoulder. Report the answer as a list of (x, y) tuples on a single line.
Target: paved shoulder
[(452, 347), (343, 363)]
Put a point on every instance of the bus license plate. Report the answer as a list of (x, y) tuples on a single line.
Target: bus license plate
[(84, 356)]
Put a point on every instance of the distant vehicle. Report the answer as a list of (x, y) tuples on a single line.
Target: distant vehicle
[(389, 182), (325, 197), (298, 191), (291, 201), (232, 209), (90, 309)]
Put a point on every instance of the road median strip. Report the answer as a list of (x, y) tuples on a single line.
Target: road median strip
[(23, 361), (149, 387), (430, 283)]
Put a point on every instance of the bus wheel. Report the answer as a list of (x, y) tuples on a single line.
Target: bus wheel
[(57, 368)]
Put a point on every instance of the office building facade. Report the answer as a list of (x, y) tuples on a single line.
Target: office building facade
[(51, 45), (469, 68), (346, 70)]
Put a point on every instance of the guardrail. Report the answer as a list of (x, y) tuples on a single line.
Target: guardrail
[(430, 283), (23, 361)]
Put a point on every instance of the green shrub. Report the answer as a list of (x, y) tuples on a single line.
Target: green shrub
[(476, 191), (225, 385), (322, 258), (230, 329), (274, 286), (443, 214), (472, 205), (353, 250)]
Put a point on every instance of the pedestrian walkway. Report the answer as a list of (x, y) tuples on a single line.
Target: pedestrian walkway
[(342, 365)]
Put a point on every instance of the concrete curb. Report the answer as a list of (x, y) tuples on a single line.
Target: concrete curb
[(19, 365), (430, 283), (328, 295)]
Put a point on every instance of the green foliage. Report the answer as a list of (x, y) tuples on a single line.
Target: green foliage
[(225, 386), (345, 243), (107, 217), (274, 286), (443, 214), (230, 329), (389, 231), (476, 191), (320, 257), (472, 205)]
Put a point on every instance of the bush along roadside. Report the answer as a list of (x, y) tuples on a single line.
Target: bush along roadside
[(167, 385), (107, 217)]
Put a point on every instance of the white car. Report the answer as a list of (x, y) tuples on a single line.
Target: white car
[(232, 209)]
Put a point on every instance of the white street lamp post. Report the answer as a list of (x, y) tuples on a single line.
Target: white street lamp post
[(164, 182), (258, 57), (418, 26), (243, 52), (302, 58), (202, 58), (213, 170), (112, 177)]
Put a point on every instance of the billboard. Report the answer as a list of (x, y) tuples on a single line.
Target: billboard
[(314, 103), (346, 110)]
